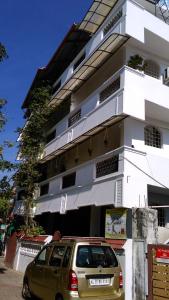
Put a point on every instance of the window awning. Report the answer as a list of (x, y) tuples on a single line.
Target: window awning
[(89, 66), (78, 197), (96, 15), (113, 120)]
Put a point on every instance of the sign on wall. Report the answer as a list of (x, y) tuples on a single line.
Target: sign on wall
[(115, 223), (162, 255)]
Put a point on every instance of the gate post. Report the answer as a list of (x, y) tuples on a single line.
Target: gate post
[(144, 231)]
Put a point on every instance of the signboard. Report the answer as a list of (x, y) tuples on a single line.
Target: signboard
[(162, 255), (115, 223)]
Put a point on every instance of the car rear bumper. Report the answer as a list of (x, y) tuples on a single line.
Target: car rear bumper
[(75, 296)]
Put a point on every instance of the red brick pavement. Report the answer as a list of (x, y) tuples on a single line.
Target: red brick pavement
[(10, 283)]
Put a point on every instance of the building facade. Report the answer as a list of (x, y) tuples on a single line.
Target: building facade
[(111, 147)]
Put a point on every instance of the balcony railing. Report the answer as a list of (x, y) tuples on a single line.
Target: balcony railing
[(97, 169), (98, 107), (111, 25)]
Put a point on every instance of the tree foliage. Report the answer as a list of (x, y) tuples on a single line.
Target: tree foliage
[(3, 53), (31, 147), (6, 190)]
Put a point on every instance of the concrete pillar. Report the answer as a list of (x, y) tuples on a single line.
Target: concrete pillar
[(144, 231)]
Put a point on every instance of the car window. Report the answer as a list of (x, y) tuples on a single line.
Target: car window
[(94, 256), (43, 255), (57, 256), (67, 257)]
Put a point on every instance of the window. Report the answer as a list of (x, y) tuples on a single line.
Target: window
[(110, 89), (152, 136), (41, 259), (21, 195), (161, 217), (151, 68), (67, 257), (113, 21), (78, 62), (68, 180), (51, 136), (44, 189), (107, 166), (95, 256), (56, 87), (57, 256), (74, 118)]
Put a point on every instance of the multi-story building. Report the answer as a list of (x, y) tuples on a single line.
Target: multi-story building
[(111, 147)]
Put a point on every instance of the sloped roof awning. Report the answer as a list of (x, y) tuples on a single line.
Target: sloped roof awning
[(89, 66), (113, 120), (96, 15), (69, 48)]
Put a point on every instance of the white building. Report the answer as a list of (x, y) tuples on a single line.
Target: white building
[(111, 148)]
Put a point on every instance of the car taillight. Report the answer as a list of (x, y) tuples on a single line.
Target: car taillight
[(120, 280), (73, 281)]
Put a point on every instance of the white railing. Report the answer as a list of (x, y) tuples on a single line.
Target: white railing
[(94, 42), (92, 113), (85, 174)]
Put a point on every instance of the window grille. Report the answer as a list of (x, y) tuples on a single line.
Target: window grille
[(152, 137), (69, 180), (74, 118), (78, 62), (152, 69), (110, 89), (107, 166), (113, 21), (44, 189), (161, 217)]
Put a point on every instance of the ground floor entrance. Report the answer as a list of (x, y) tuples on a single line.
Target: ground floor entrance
[(85, 221)]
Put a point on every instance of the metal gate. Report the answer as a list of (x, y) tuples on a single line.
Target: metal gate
[(158, 272)]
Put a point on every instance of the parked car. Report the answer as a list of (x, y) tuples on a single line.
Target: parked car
[(74, 268)]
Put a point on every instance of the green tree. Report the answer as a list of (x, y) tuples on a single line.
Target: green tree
[(5, 165), (31, 148)]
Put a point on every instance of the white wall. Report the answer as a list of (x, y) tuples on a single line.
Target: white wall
[(143, 164)]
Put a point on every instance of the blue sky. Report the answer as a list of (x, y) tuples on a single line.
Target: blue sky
[(31, 32)]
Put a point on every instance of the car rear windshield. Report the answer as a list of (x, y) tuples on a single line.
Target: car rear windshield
[(94, 256)]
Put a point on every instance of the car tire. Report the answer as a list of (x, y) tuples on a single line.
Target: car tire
[(58, 297), (26, 294)]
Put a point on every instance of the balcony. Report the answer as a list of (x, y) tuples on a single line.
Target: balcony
[(104, 105), (152, 31), (145, 96), (85, 185), (109, 37), (127, 92)]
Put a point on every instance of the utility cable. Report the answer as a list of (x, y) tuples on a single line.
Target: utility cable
[(145, 172)]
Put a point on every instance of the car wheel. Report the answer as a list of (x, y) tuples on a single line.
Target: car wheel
[(26, 294), (58, 297)]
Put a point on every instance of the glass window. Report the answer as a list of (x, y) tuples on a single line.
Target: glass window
[(57, 256), (41, 259), (67, 257), (94, 256), (152, 136)]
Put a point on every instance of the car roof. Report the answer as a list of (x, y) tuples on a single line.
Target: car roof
[(77, 239)]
